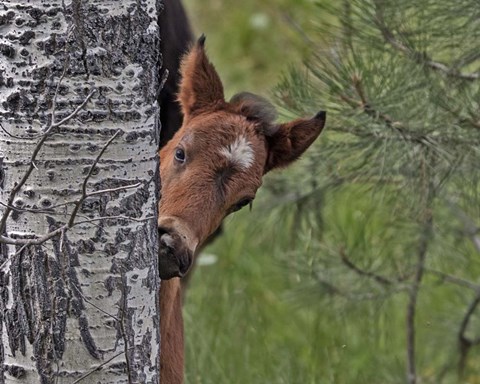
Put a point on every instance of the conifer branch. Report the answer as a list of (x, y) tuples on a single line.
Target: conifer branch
[(464, 342), (361, 272), (418, 57)]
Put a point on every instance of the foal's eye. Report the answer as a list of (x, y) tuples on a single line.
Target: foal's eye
[(240, 205), (180, 155)]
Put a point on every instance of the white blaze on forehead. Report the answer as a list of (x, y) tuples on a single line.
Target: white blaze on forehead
[(240, 152)]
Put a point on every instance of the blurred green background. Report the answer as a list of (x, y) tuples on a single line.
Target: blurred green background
[(381, 216)]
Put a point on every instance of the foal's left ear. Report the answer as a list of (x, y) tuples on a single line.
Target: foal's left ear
[(288, 141), (200, 87)]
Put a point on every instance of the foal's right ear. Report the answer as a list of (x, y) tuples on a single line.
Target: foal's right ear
[(200, 87)]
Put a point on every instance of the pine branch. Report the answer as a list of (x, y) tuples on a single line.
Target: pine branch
[(453, 279), (425, 237), (464, 342), (420, 58), (361, 272)]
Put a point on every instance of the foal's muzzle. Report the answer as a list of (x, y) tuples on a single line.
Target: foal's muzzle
[(176, 249)]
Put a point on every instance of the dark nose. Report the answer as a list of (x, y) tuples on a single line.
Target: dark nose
[(174, 257)]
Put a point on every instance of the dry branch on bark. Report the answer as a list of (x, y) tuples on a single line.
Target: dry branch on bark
[(78, 192)]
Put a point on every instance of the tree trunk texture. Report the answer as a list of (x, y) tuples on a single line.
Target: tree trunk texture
[(78, 189)]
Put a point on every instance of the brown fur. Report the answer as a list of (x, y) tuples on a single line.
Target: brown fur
[(198, 193), (171, 332)]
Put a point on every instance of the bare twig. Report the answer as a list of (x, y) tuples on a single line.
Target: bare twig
[(97, 368), (40, 240), (85, 181), (32, 166), (14, 136), (141, 220), (75, 112), (35, 241), (50, 209), (109, 190), (94, 305)]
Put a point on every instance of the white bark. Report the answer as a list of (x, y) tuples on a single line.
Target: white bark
[(82, 306)]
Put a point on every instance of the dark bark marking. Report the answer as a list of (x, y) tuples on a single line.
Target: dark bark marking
[(2, 178), (14, 371), (78, 21), (7, 50)]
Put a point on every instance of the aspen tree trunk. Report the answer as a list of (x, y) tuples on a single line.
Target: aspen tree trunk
[(78, 190)]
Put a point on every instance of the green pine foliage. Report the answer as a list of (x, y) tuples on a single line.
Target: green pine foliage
[(381, 216), (398, 175)]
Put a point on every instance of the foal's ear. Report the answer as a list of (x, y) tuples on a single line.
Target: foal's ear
[(200, 87), (288, 141)]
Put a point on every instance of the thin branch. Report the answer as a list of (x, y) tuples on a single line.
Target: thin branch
[(50, 210), (35, 241), (85, 181), (418, 57), (58, 231), (378, 278), (461, 119), (32, 166), (141, 220), (425, 237), (297, 27), (453, 279), (368, 109), (94, 305), (470, 228), (75, 112), (332, 290), (16, 137), (412, 298), (102, 191), (97, 368), (464, 342)]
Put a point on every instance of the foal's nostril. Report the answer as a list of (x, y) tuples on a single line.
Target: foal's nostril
[(175, 257), (166, 239)]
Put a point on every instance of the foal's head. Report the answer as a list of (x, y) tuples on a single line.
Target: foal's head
[(214, 164)]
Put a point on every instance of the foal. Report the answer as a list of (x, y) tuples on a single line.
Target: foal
[(212, 167)]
